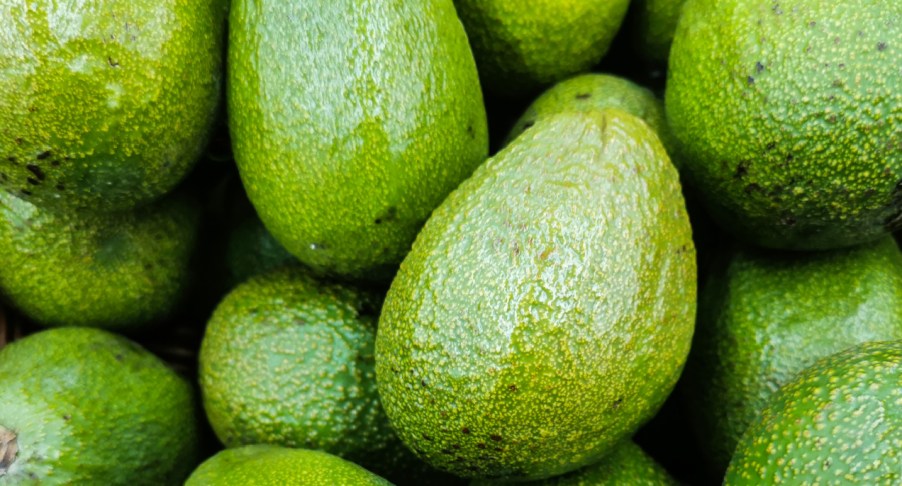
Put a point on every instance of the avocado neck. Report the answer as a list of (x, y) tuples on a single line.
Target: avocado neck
[(9, 449)]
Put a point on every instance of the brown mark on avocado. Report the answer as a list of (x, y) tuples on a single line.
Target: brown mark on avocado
[(9, 449)]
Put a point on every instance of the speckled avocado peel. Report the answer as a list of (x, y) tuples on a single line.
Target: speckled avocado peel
[(787, 116), (837, 422), (531, 328), (106, 104)]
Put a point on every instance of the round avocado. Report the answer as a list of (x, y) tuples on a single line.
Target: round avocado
[(351, 121), (106, 104), (653, 24), (84, 406), (546, 308), (120, 271), (252, 250), (837, 422), (521, 47), (786, 116), (267, 465), (764, 316)]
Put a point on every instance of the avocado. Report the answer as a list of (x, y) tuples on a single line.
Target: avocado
[(120, 271), (765, 315), (653, 24), (627, 464), (546, 308), (521, 47), (589, 92), (350, 122), (268, 465), (786, 115), (106, 105), (251, 250), (837, 422), (85, 406)]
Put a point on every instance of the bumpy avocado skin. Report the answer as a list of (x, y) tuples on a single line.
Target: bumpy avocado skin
[(119, 271), (106, 104), (267, 465), (837, 422), (627, 464), (654, 23), (546, 309), (90, 407), (765, 316), (350, 122), (590, 92), (520, 47), (787, 116)]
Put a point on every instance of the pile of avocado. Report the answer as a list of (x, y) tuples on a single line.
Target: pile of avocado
[(442, 242)]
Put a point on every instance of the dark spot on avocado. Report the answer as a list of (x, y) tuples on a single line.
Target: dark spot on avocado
[(33, 181), (789, 158), (113, 62), (465, 431), (751, 80), (512, 388), (617, 403), (119, 357), (881, 46), (759, 67), (455, 446), (43, 155), (837, 83), (583, 96), (25, 192), (481, 445), (18, 141), (812, 23), (529, 124), (470, 131), (426, 437), (495, 437), (742, 169), (67, 417), (389, 215), (60, 187), (827, 464), (423, 382), (770, 146), (11, 159), (36, 171), (55, 163)]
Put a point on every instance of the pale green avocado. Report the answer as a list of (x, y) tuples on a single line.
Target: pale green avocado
[(351, 121), (786, 116), (267, 465), (87, 407), (653, 24), (627, 464), (592, 92), (521, 47), (546, 309), (764, 316), (837, 422), (106, 104), (120, 271)]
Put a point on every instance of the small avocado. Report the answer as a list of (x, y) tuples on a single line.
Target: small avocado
[(288, 360), (627, 464), (106, 104), (85, 406), (765, 315), (546, 308), (837, 422), (268, 465), (521, 47), (120, 271), (653, 24), (351, 121), (786, 117), (251, 250), (590, 92)]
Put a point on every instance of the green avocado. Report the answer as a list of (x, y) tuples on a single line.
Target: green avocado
[(787, 117), (547, 307), (591, 92), (84, 406), (653, 24), (351, 121), (764, 316), (837, 422), (521, 47), (251, 250), (267, 465), (627, 464), (119, 271), (106, 104)]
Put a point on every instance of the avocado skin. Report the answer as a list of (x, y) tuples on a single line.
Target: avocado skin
[(546, 308), (91, 407), (653, 24), (267, 465), (350, 122), (252, 250), (120, 271), (521, 47), (787, 117), (837, 422), (108, 105), (764, 316), (627, 464), (590, 92)]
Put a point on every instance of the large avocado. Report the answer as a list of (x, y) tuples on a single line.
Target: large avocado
[(351, 121), (84, 406), (106, 104), (546, 308), (787, 117), (765, 315)]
